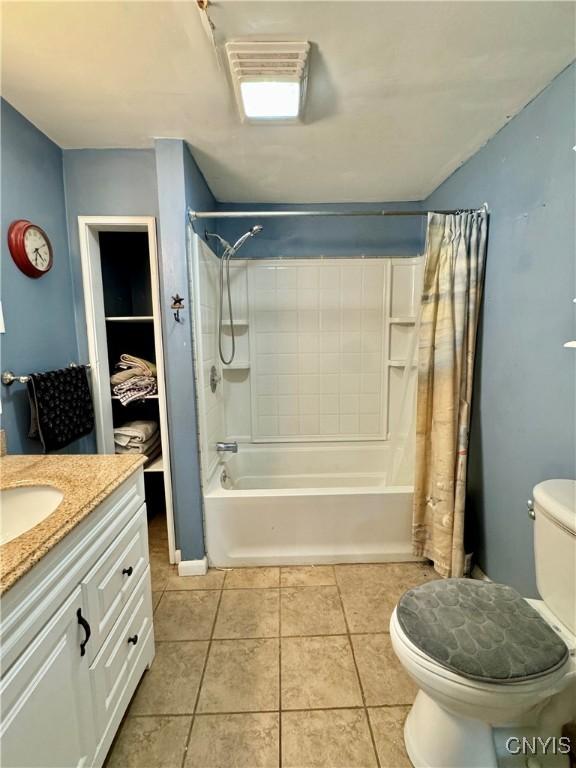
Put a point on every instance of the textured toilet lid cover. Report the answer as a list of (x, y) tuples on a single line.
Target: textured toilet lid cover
[(480, 630)]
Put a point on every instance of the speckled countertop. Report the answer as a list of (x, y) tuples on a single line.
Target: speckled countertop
[(84, 480)]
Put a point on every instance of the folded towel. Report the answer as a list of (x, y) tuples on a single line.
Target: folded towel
[(131, 366), (61, 409), (153, 454), (136, 388), (145, 449), (134, 432)]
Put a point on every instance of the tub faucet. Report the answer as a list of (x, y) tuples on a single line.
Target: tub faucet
[(231, 447)]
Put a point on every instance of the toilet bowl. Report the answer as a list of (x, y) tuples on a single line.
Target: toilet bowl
[(457, 722), (463, 716)]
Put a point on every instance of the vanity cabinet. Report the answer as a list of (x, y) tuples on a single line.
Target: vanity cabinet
[(44, 698), (76, 636)]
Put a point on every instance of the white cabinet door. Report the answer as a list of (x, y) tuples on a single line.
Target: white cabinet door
[(47, 718)]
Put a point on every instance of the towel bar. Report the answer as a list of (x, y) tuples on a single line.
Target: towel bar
[(8, 377)]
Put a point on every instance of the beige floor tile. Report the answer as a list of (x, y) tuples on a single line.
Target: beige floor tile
[(158, 531), (367, 611), (185, 615), (171, 684), (211, 580), (252, 578), (155, 599), (160, 572), (241, 676), (318, 672), (150, 742), (394, 577), (370, 592), (234, 741), (307, 576), (388, 729), (248, 613), (311, 611), (328, 739), (382, 676)]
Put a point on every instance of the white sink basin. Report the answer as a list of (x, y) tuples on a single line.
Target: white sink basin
[(24, 507)]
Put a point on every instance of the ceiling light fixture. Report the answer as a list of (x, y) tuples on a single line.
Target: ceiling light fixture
[(269, 79)]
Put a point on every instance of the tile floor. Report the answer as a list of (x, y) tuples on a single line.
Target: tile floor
[(264, 667)]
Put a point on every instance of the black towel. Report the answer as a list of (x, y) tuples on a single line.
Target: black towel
[(61, 407)]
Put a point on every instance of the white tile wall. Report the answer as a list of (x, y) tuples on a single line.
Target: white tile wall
[(319, 341), (404, 298), (318, 348), (204, 289)]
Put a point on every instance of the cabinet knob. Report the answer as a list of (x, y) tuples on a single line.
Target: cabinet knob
[(133, 639), (128, 571)]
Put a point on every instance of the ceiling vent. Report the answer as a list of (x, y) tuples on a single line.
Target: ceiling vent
[(269, 79)]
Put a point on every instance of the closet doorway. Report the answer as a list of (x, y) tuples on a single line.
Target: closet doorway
[(123, 322)]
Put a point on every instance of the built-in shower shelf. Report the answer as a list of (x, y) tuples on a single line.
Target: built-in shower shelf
[(237, 323), (399, 364), (570, 345), (130, 319), (241, 365), (404, 320)]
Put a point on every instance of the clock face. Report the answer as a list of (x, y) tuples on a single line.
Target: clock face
[(37, 248), (30, 248)]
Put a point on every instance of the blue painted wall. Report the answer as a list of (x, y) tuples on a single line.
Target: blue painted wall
[(313, 237), (39, 314), (523, 427), (104, 182), (180, 184), (125, 182)]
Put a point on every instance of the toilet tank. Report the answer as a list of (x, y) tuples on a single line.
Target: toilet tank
[(555, 548)]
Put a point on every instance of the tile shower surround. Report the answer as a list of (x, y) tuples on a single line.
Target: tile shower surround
[(321, 343), (317, 333)]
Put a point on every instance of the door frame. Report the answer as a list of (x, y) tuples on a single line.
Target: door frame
[(89, 227)]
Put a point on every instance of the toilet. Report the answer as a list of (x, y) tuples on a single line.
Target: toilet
[(496, 673)]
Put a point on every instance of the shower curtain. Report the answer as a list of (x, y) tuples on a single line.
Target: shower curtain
[(452, 286)]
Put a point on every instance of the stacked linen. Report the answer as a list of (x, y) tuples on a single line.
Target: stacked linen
[(138, 437), (134, 380)]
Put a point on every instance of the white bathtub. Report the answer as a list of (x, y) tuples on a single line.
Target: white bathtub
[(307, 504)]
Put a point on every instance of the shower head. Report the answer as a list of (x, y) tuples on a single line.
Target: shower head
[(241, 240)]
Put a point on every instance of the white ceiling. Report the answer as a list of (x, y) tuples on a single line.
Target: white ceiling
[(400, 93)]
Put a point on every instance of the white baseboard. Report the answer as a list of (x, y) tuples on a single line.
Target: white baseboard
[(193, 567), (177, 556), (478, 573)]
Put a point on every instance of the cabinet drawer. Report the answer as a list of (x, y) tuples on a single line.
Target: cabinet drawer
[(110, 583), (130, 637)]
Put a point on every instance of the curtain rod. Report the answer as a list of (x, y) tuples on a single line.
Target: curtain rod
[(269, 214)]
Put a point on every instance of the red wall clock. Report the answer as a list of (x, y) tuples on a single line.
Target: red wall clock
[(30, 248)]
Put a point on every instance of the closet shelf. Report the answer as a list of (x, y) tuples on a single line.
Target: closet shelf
[(129, 319), (241, 365), (156, 465), (146, 397)]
